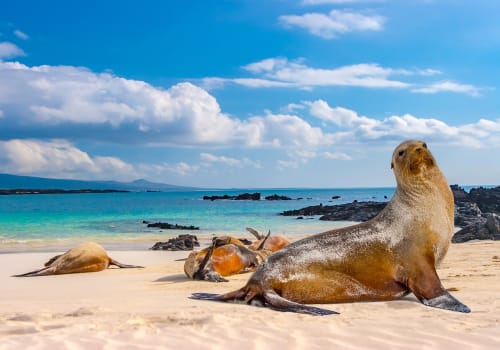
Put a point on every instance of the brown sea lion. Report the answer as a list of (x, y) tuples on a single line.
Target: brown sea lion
[(385, 258), (273, 243), (85, 257), (224, 257)]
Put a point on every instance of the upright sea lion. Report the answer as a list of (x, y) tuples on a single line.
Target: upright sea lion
[(85, 257), (382, 259)]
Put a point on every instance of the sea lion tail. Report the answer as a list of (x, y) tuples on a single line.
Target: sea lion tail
[(41, 272), (124, 266)]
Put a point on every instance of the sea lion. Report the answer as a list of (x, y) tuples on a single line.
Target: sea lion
[(85, 257), (224, 257), (382, 259), (273, 243)]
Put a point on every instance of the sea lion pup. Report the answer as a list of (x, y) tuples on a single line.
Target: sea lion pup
[(224, 257), (273, 243), (85, 257), (382, 259)]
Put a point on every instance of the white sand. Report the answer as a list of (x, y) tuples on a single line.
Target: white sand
[(150, 309)]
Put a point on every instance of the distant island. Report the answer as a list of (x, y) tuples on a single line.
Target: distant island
[(33, 184), (21, 191)]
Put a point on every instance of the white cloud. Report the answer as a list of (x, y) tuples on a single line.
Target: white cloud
[(449, 86), (279, 72), (21, 35), (336, 156), (361, 129), (331, 25), (58, 159), (10, 50), (233, 162), (74, 103)]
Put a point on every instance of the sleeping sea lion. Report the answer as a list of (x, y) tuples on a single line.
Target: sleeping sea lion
[(385, 258), (273, 243), (85, 257), (224, 257)]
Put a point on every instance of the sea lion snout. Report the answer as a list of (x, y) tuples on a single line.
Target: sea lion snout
[(412, 157)]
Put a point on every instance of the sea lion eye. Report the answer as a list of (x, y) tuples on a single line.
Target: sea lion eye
[(401, 153), (424, 145)]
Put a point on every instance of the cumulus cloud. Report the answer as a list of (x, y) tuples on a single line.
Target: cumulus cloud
[(9, 50), (74, 103), (363, 129), (336, 22), (449, 86), (58, 158), (21, 35)]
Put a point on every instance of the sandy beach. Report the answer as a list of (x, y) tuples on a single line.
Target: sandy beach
[(149, 309)]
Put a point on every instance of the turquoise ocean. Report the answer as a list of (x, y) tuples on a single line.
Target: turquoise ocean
[(41, 222)]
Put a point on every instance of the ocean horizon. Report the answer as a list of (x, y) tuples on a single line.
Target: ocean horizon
[(36, 222)]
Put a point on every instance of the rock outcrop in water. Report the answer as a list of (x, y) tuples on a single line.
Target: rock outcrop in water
[(355, 211), (476, 212), (167, 226), (244, 196)]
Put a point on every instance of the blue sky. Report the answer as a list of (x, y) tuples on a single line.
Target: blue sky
[(257, 93)]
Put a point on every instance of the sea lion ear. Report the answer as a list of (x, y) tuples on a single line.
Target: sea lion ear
[(392, 165)]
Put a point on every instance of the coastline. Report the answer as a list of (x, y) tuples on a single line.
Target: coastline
[(150, 309)]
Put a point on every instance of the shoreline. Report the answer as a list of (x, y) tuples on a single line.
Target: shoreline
[(149, 308)]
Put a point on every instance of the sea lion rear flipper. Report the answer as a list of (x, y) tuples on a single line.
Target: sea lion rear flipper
[(41, 272), (270, 299), (255, 232), (124, 266), (278, 303)]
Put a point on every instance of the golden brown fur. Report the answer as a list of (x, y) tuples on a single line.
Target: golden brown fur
[(383, 259), (86, 257)]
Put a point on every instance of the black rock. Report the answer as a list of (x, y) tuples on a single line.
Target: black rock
[(276, 197), (167, 226), (181, 242), (487, 227), (355, 211), (243, 196)]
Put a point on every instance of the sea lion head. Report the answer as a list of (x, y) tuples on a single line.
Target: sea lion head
[(413, 160)]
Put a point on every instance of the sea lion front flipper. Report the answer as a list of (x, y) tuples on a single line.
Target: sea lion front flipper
[(428, 289), (446, 301), (48, 263), (124, 266)]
